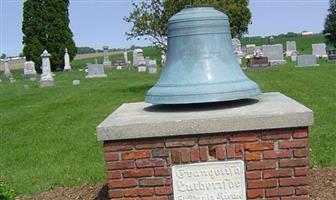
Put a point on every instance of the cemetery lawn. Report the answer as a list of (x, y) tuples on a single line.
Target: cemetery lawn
[(47, 135)]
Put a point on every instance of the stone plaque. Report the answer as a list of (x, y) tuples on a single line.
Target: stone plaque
[(209, 180)]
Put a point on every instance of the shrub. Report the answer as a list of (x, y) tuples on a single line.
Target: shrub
[(6, 193)]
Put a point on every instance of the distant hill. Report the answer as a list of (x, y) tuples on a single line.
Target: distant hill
[(303, 43)]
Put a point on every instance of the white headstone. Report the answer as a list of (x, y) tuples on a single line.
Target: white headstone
[(107, 63), (142, 69), (96, 71), (236, 44), (306, 61), (163, 57), (126, 57), (119, 67), (66, 61), (209, 181), (7, 72), (138, 58), (250, 48), (75, 82), (46, 76), (29, 69), (290, 48), (274, 53), (319, 50)]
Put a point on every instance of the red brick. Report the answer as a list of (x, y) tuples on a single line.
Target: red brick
[(243, 137), (168, 181), (154, 198), (294, 181), (277, 192), (185, 155), (204, 153), (293, 144), (300, 133), (293, 163), (257, 165), (163, 191), (212, 140), (180, 142), (137, 173), (239, 150), (302, 190), (139, 192), (277, 173), (194, 154), (255, 193), (132, 155), (113, 174), (277, 154), (260, 146), (152, 162), (115, 194), (253, 156), (301, 171), (120, 165), (306, 197), (261, 184), (276, 135), (253, 175), (162, 171), (117, 146), (220, 152), (230, 151), (175, 156), (150, 182), (299, 153), (152, 144), (111, 156), (160, 153), (124, 183)]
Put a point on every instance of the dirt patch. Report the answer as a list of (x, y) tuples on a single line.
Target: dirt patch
[(322, 187)]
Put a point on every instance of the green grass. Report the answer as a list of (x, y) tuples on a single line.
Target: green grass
[(47, 135)]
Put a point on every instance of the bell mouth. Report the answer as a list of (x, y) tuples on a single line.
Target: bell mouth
[(244, 89)]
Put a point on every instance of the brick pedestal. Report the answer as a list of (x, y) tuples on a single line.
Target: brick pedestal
[(276, 160)]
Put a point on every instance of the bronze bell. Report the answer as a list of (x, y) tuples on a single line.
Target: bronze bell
[(201, 66)]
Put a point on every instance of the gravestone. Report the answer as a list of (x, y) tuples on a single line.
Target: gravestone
[(47, 79), (332, 54), (119, 62), (142, 68), (29, 69), (107, 63), (306, 61), (274, 53), (7, 72), (138, 58), (290, 48), (236, 44), (95, 71), (67, 66), (75, 82), (152, 67), (250, 48), (126, 57), (319, 50)]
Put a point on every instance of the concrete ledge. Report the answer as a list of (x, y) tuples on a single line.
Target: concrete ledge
[(142, 120)]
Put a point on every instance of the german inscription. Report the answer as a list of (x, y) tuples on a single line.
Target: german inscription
[(209, 181)]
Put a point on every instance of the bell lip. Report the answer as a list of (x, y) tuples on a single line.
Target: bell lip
[(203, 98)]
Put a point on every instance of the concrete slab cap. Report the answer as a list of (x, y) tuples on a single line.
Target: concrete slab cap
[(143, 120)]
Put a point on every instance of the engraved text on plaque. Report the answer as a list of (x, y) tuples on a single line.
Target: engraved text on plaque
[(209, 181)]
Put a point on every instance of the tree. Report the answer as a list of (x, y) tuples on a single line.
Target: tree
[(150, 18), (3, 56), (330, 24), (46, 26)]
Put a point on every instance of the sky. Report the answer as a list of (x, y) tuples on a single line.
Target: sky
[(98, 22)]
